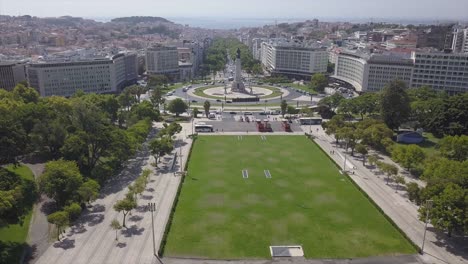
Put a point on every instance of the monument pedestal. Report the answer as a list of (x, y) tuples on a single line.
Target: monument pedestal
[(238, 87)]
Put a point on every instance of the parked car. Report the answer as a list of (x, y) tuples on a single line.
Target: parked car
[(194, 101)]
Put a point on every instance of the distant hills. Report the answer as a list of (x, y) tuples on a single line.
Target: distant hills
[(140, 19)]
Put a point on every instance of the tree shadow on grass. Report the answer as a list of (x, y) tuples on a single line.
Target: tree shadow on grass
[(65, 244)]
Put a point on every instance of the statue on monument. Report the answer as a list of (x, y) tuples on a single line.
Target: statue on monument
[(238, 85)]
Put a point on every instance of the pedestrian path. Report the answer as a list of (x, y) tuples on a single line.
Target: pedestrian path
[(93, 241)]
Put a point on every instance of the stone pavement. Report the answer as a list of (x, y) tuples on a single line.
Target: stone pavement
[(407, 259), (396, 205), (92, 241)]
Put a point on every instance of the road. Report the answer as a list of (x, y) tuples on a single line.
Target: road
[(92, 241)]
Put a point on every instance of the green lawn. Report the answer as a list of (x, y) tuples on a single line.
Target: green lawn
[(307, 201)]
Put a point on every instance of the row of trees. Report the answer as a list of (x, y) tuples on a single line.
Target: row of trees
[(216, 56), (434, 111), (444, 170)]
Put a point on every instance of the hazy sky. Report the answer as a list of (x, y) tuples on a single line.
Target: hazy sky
[(418, 9)]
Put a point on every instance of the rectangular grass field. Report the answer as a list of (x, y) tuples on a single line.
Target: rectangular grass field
[(221, 214)]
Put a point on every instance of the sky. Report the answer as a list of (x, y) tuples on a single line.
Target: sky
[(372, 9)]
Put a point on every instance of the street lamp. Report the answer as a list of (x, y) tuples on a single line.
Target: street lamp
[(428, 209), (152, 208), (344, 164), (266, 101)]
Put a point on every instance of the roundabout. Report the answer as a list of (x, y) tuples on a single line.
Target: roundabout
[(223, 92)]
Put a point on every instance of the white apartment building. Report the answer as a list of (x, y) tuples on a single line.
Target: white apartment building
[(103, 75), (163, 60), (293, 59), (372, 72), (441, 71)]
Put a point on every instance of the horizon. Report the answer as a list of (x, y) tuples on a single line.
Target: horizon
[(451, 10)]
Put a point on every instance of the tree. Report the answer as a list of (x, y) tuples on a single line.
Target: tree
[(177, 106), (395, 104), (26, 94), (448, 209), (89, 191), (318, 82), (361, 149), (137, 91), (125, 206), (206, 106), (331, 102), (454, 147), (414, 192), (160, 147), (73, 210), (49, 136), (408, 156), (284, 107), (373, 159), (400, 180), (145, 110), (13, 138), (116, 226), (195, 112), (60, 219), (156, 97), (389, 169), (60, 181)]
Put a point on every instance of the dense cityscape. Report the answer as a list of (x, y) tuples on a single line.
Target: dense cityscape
[(141, 140)]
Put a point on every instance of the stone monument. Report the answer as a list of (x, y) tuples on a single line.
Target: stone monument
[(238, 86)]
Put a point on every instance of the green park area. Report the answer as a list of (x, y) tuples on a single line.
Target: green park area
[(244, 194), (13, 235)]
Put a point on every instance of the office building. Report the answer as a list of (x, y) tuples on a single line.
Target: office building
[(11, 73), (371, 72), (93, 75), (293, 59), (163, 60), (441, 71)]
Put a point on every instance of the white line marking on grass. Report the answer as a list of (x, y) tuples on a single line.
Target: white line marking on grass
[(267, 174), (245, 174)]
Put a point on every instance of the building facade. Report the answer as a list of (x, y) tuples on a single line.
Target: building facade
[(371, 72), (104, 75), (11, 73), (293, 60), (163, 60), (441, 71)]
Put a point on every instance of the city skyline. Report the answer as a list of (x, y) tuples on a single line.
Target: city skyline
[(272, 9)]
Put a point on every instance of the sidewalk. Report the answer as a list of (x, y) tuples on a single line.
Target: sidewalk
[(395, 204), (92, 241)]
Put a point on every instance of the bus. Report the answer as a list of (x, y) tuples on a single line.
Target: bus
[(203, 128), (310, 121)]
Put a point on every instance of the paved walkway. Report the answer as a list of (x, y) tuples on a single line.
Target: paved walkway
[(92, 241), (395, 204)]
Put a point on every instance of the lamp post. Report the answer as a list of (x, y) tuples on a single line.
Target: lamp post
[(428, 209), (344, 164), (266, 101), (152, 208)]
